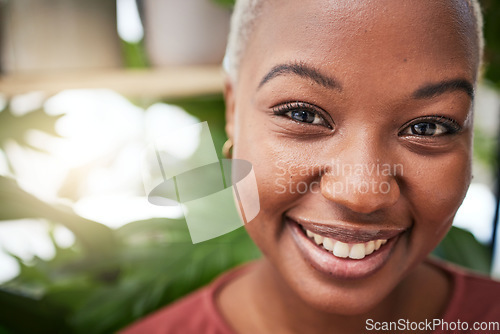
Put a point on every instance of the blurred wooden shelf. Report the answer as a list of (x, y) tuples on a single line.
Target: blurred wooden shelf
[(150, 83)]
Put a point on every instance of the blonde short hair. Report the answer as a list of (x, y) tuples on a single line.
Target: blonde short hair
[(246, 13)]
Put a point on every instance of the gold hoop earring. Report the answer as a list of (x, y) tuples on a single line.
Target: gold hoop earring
[(226, 149)]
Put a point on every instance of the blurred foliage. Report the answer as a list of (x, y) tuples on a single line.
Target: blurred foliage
[(491, 10), (225, 3), (134, 55), (16, 127), (484, 148), (462, 248), (16, 204), (103, 283), (109, 277), (210, 109)]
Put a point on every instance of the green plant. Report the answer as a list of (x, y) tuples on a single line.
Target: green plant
[(462, 248), (491, 10), (109, 277), (225, 3)]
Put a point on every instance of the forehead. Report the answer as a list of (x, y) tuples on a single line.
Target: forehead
[(359, 34)]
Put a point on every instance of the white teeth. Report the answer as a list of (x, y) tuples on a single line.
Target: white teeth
[(343, 250), (357, 251), (369, 247), (318, 239), (329, 244)]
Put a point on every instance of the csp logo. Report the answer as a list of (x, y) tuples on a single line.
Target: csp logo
[(216, 196)]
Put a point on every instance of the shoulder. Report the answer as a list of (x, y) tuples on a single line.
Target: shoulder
[(188, 315), (195, 313), (474, 297)]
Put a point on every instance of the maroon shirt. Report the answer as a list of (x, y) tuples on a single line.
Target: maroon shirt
[(474, 299)]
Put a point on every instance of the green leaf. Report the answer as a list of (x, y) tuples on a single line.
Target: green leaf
[(155, 274), (491, 10), (134, 54), (225, 3), (15, 127), (460, 247), (15, 203), (21, 314)]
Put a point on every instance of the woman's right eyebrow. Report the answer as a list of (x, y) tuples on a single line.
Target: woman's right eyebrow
[(302, 70), (431, 90)]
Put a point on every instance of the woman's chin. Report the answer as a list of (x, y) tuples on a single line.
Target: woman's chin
[(341, 301)]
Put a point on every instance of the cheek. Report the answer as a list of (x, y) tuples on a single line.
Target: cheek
[(275, 180), (435, 189), (285, 170), (280, 182)]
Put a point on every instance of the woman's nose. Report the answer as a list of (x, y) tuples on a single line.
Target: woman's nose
[(360, 180)]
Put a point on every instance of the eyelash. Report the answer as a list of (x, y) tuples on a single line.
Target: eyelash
[(289, 107), (450, 125)]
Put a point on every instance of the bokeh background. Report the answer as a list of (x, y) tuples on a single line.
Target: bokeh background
[(84, 87)]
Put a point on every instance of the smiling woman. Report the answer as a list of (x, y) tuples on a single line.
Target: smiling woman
[(317, 84)]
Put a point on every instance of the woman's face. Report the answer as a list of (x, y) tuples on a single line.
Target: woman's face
[(356, 116)]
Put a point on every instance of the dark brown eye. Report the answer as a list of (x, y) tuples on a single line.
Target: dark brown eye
[(424, 129), (304, 116), (431, 127), (302, 112)]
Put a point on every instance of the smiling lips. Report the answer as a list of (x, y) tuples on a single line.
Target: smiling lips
[(356, 251), (344, 251)]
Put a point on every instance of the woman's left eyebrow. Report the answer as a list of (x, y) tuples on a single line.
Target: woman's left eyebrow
[(431, 90), (302, 70)]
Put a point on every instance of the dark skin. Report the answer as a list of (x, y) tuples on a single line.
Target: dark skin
[(362, 82)]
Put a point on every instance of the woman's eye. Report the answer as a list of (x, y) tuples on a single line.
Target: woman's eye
[(305, 116), (427, 129), (431, 128), (302, 112)]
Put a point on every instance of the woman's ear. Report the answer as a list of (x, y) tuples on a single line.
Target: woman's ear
[(230, 99)]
